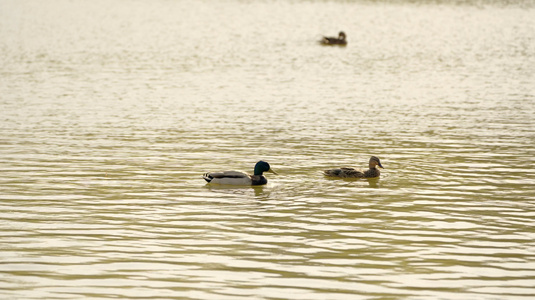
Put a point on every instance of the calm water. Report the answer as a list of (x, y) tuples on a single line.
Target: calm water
[(112, 110)]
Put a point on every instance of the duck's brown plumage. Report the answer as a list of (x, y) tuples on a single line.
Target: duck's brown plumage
[(340, 40), (372, 172)]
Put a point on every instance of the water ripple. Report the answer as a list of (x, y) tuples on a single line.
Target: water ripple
[(108, 126)]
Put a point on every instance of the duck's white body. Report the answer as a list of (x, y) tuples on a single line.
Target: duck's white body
[(228, 177)]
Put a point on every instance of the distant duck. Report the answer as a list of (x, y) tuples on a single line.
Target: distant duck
[(340, 40), (352, 173), (240, 178)]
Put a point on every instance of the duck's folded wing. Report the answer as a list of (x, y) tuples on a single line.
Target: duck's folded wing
[(228, 177), (229, 174), (343, 172), (326, 40), (352, 172), (332, 172)]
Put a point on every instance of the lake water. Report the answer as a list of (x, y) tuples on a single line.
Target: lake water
[(111, 111)]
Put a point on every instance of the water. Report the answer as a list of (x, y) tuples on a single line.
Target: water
[(113, 110)]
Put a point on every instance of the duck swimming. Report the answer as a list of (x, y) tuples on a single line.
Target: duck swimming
[(340, 40), (240, 178), (372, 172)]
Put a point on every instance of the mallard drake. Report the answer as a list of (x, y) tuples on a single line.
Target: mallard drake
[(352, 173), (340, 40), (240, 178)]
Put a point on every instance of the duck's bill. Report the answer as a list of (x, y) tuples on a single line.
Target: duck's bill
[(381, 166), (272, 171)]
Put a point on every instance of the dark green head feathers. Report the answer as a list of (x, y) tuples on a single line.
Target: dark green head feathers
[(262, 167)]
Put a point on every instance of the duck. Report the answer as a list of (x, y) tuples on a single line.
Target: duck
[(241, 178), (372, 172), (340, 40)]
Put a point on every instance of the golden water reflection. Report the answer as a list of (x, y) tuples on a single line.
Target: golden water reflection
[(112, 113)]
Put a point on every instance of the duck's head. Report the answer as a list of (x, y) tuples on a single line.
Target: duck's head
[(374, 161), (262, 167), (341, 35)]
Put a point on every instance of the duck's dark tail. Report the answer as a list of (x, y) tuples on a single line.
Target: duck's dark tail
[(207, 177), (332, 172)]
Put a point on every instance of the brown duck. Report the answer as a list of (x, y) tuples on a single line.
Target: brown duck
[(340, 40), (372, 172)]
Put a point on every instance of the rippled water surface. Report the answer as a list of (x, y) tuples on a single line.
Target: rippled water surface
[(111, 111)]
